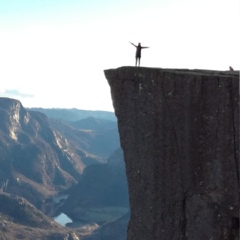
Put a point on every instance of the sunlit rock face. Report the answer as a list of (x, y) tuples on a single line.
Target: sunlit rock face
[(35, 159), (10, 116), (179, 131)]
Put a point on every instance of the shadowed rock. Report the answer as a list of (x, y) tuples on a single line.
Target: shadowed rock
[(179, 131)]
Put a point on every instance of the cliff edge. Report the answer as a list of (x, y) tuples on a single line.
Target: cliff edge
[(179, 130)]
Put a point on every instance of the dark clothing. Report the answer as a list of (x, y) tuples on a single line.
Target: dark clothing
[(138, 52)]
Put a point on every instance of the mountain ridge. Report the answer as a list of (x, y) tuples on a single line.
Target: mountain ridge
[(74, 114), (42, 157)]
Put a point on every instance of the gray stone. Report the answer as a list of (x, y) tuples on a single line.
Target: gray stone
[(179, 131)]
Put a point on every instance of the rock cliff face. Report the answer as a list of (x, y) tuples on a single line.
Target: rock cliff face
[(179, 131)]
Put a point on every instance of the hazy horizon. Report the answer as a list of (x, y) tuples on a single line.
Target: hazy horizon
[(53, 53)]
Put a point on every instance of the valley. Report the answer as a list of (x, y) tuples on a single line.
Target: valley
[(71, 171)]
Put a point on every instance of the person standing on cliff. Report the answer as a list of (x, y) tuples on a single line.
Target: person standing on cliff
[(138, 52)]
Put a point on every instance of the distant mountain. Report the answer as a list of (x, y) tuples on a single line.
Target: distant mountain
[(74, 114), (96, 131), (96, 124), (90, 137), (103, 136), (36, 160), (101, 186)]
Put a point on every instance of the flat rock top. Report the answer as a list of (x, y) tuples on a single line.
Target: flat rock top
[(227, 73)]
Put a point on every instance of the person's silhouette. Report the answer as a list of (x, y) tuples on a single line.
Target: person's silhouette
[(138, 52)]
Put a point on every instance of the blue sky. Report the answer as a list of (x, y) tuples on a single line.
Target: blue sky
[(53, 52)]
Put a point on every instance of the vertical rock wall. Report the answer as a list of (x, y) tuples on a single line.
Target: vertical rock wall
[(179, 131)]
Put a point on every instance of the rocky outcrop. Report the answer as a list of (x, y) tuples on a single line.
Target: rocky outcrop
[(36, 161), (179, 130), (21, 220)]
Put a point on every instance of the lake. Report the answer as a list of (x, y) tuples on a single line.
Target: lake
[(62, 219)]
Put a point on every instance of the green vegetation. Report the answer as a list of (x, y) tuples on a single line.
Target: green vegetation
[(100, 215)]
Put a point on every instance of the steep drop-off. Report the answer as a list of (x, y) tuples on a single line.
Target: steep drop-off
[(179, 131)]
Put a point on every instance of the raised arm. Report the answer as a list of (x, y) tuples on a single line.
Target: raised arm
[(145, 47), (133, 44)]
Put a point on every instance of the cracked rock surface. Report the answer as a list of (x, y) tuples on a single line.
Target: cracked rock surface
[(179, 131)]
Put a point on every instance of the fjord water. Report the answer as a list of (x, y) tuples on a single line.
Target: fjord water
[(62, 219)]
